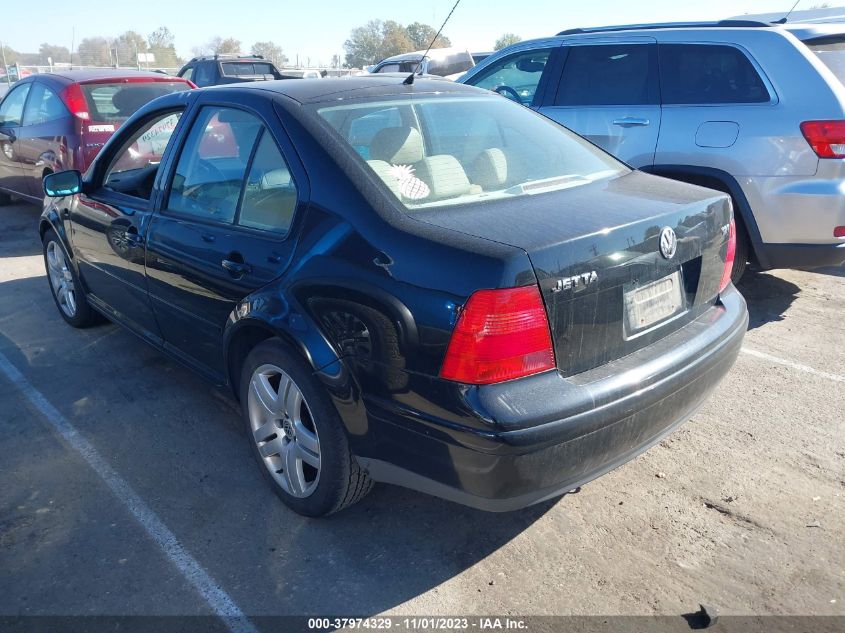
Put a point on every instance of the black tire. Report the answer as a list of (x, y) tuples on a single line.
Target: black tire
[(84, 315), (342, 482), (743, 251)]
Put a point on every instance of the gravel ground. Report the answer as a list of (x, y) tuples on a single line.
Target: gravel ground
[(741, 508)]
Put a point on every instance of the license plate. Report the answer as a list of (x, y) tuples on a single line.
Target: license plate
[(652, 303)]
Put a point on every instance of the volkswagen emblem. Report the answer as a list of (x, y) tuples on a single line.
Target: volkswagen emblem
[(668, 242)]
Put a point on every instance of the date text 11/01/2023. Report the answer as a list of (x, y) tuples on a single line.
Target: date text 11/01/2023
[(419, 623)]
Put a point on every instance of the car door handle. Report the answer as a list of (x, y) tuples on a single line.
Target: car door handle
[(237, 269), (630, 121)]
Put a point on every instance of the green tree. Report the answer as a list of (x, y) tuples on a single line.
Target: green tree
[(162, 44), (59, 54), (271, 51), (422, 34), (506, 40), (364, 44), (94, 51), (394, 40), (127, 46), (219, 46)]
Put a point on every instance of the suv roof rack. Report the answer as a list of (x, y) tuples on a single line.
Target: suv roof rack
[(668, 25), (201, 58)]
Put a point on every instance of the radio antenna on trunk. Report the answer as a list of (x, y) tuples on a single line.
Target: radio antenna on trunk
[(409, 80)]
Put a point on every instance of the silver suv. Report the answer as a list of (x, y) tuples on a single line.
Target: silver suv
[(752, 109)]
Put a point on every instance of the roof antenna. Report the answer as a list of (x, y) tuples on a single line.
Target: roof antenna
[(783, 19), (409, 80)]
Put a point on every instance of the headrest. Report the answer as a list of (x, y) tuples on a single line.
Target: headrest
[(490, 169), (397, 145)]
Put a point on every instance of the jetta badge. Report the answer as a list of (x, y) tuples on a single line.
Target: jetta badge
[(668, 242), (576, 281)]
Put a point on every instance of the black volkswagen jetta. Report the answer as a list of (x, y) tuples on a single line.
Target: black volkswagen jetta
[(427, 285)]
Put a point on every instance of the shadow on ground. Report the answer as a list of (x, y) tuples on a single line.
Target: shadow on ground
[(768, 297), (19, 234), (181, 447)]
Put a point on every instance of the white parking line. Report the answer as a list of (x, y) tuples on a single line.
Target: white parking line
[(793, 364), (220, 602)]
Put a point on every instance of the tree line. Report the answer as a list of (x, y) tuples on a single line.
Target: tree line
[(366, 45)]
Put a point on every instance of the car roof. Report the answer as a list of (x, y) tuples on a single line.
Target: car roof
[(434, 53), (812, 31), (105, 74), (363, 86)]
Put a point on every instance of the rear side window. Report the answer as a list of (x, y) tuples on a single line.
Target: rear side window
[(11, 110), (708, 74), (43, 106), (116, 102), (832, 52), (618, 74), (207, 183)]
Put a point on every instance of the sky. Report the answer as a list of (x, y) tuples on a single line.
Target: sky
[(315, 30)]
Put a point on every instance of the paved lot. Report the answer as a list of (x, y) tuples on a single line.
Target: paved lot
[(720, 512)]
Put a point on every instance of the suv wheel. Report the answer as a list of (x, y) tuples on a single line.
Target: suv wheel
[(296, 434)]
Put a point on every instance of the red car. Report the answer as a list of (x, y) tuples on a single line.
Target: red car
[(60, 120)]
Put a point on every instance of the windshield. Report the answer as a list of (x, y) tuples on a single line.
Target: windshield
[(832, 52), (116, 102), (438, 151)]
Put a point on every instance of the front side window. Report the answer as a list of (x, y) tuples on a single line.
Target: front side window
[(204, 75), (189, 72), (707, 74), (43, 106), (461, 150), (134, 166), (516, 76), (210, 172), (606, 75), (11, 109)]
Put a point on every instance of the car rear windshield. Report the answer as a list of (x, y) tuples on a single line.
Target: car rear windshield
[(832, 52), (451, 64), (439, 151), (246, 69), (116, 102)]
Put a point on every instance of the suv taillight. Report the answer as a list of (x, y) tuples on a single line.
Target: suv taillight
[(730, 255), (500, 335), (827, 138), (74, 99)]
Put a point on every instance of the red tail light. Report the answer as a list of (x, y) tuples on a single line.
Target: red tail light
[(74, 99), (827, 138), (500, 335), (729, 257), (839, 231)]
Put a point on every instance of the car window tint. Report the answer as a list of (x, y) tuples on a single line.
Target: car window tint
[(43, 106), (516, 76), (208, 184), (116, 102), (451, 64), (11, 110), (705, 73), (141, 154), (363, 129), (389, 68), (619, 74), (204, 75), (188, 73), (270, 196)]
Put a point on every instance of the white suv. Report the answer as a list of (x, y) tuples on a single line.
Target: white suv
[(752, 109)]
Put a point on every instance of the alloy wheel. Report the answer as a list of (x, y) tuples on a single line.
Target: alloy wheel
[(61, 279), (284, 431)]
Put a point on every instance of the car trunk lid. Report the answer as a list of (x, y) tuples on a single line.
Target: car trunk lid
[(595, 250)]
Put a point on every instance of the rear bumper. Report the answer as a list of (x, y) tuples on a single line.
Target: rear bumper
[(545, 435), (800, 255)]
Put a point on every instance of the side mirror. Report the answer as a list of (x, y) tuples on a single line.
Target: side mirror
[(63, 183)]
